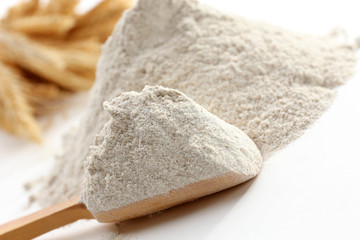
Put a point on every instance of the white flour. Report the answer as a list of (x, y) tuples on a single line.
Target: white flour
[(162, 132), (267, 81)]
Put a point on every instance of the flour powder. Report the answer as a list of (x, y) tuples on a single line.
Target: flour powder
[(163, 132), (269, 82)]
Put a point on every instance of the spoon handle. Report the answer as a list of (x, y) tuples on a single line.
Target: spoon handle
[(45, 220)]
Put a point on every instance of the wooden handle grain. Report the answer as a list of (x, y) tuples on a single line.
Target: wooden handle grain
[(44, 220)]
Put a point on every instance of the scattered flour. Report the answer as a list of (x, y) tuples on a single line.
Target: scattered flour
[(267, 81), (162, 132)]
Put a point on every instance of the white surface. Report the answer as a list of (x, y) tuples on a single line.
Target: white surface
[(310, 190)]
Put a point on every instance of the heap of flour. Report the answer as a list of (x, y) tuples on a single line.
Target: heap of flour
[(269, 82), (163, 132)]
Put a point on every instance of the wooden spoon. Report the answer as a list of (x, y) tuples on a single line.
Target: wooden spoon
[(70, 211)]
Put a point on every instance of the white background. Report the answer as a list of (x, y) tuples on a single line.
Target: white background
[(309, 190)]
